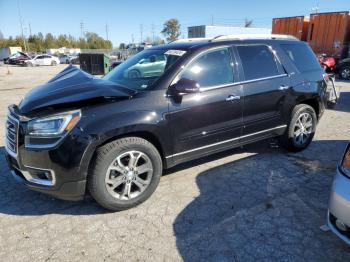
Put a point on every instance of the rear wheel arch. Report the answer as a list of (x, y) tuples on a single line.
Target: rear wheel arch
[(314, 103)]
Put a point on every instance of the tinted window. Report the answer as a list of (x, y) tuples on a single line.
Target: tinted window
[(302, 56), (257, 62), (212, 68)]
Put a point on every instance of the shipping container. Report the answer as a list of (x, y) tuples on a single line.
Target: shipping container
[(211, 31), (95, 64), (296, 26), (329, 33)]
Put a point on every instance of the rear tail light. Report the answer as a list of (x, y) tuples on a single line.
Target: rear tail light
[(346, 161)]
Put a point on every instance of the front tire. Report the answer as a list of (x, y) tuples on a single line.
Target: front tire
[(301, 128), (125, 173), (53, 63)]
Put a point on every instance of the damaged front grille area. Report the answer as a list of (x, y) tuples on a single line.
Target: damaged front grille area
[(11, 134)]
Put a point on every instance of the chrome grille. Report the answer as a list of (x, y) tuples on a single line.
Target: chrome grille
[(11, 135)]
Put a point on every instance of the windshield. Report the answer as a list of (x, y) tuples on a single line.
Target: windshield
[(142, 70)]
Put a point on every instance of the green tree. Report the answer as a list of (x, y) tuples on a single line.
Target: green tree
[(171, 29), (50, 41), (62, 41)]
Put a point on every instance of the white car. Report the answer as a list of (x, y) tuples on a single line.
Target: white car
[(67, 59), (43, 60)]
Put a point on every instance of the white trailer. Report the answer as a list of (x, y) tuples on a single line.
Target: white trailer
[(211, 31), (7, 51)]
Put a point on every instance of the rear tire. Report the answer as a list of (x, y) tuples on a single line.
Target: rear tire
[(134, 74), (53, 63), (344, 72), (125, 173), (301, 128)]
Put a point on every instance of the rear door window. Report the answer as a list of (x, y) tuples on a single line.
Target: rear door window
[(257, 62), (302, 56)]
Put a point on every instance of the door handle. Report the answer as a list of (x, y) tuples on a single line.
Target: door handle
[(232, 98), (283, 87)]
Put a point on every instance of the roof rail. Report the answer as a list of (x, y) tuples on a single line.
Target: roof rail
[(187, 40), (252, 36)]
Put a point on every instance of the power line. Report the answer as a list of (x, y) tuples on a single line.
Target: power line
[(152, 26), (141, 32), (21, 24), (81, 29), (107, 31)]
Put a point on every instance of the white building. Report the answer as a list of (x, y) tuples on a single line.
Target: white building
[(63, 50), (211, 31)]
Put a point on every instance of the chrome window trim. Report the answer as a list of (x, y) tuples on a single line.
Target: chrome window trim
[(260, 79), (242, 82), (226, 141)]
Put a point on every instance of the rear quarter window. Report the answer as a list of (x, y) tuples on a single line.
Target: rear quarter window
[(302, 56)]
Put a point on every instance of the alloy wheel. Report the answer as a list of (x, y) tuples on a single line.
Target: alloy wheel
[(129, 175), (345, 73), (303, 129)]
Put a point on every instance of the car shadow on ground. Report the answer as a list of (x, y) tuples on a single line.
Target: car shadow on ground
[(268, 206), (343, 103), (17, 200)]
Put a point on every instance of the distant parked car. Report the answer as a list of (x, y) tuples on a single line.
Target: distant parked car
[(18, 58), (43, 60), (152, 66), (339, 204), (67, 59), (114, 64), (343, 68)]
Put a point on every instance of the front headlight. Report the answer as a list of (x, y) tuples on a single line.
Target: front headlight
[(346, 161), (53, 126)]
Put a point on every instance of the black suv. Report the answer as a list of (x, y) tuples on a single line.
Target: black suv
[(166, 105)]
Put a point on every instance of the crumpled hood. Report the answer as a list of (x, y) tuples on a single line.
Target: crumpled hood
[(70, 86)]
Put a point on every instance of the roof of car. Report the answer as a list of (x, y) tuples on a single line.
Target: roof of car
[(185, 45)]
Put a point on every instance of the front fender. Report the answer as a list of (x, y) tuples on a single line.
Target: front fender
[(99, 130)]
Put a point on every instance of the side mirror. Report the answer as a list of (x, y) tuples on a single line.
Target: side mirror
[(185, 86)]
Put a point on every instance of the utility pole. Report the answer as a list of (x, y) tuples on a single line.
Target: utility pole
[(21, 24), (132, 38), (30, 30), (107, 31), (212, 20), (141, 32), (81, 29), (153, 34), (316, 8)]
